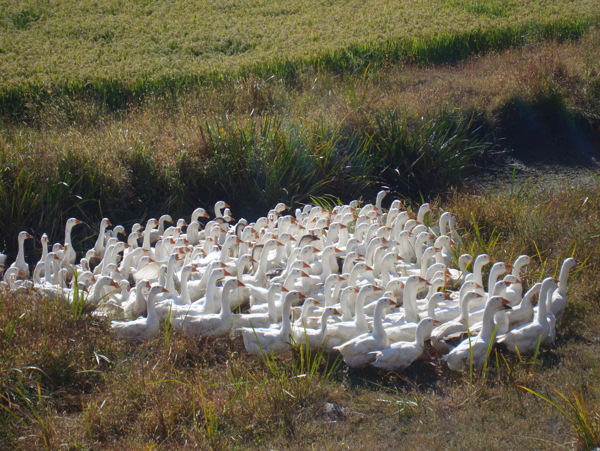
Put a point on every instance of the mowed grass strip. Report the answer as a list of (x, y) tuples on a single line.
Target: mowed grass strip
[(118, 51)]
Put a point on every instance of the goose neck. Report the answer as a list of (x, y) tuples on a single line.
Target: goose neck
[(185, 292), (477, 275), (378, 329), (422, 332), (324, 318), (285, 320), (271, 307), (228, 289), (563, 277), (359, 310), (409, 300), (431, 306), (545, 292), (488, 324), (151, 305), (464, 307)]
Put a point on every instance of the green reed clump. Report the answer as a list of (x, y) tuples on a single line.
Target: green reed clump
[(447, 47), (38, 199), (19, 198), (153, 188), (427, 156), (257, 163)]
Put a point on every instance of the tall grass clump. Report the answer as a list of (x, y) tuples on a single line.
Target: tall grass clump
[(258, 163), (19, 196), (41, 199), (153, 188), (582, 413), (428, 156)]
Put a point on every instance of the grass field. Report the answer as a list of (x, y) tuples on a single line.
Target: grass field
[(133, 109), (67, 382), (344, 136), (119, 52)]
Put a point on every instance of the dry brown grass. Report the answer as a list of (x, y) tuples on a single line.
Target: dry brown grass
[(71, 383)]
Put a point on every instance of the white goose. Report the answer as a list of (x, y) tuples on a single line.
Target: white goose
[(156, 235), (70, 255), (458, 325), (475, 348), (523, 313), (313, 338), (409, 304), (272, 341), (143, 328), (39, 271), (526, 338), (339, 333), (559, 298), (136, 304), (400, 355), (210, 325), (514, 293), (357, 353), (480, 261), (20, 264), (263, 318), (101, 289), (99, 247)]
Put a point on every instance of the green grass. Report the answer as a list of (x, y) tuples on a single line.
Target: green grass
[(117, 54)]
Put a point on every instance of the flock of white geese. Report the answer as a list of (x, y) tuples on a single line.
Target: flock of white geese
[(373, 285)]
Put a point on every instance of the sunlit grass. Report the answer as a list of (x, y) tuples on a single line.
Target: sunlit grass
[(579, 410), (117, 54)]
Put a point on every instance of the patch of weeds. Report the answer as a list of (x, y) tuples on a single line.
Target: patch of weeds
[(582, 413), (427, 156), (23, 19)]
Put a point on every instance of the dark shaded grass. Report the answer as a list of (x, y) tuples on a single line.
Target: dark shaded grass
[(542, 127), (421, 158), (252, 164)]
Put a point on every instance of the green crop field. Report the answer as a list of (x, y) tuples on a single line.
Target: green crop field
[(116, 49)]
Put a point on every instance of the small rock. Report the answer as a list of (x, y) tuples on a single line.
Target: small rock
[(334, 410)]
